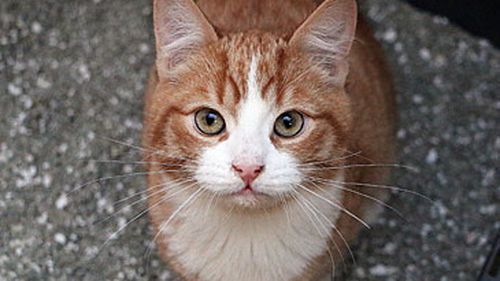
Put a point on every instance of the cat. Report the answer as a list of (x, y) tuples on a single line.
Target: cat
[(267, 125)]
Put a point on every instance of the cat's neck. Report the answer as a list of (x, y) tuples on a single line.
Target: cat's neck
[(245, 244)]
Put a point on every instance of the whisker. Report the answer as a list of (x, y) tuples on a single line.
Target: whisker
[(151, 150), (317, 229), (334, 227), (140, 163), (119, 177), (300, 203), (336, 206), (350, 166), (360, 155), (147, 197), (164, 224), (129, 145), (314, 163), (114, 234), (381, 186), (338, 186), (210, 202), (166, 188), (147, 189), (142, 200)]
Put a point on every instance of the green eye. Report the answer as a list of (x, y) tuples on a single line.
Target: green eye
[(209, 122), (289, 124)]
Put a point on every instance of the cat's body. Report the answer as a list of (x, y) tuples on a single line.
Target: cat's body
[(243, 70)]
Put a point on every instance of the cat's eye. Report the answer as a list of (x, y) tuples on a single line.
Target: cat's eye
[(209, 122), (289, 124)]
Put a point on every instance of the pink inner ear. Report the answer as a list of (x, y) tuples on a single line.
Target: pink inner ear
[(180, 27), (327, 34)]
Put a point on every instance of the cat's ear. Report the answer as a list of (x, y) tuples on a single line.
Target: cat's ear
[(180, 28), (327, 36)]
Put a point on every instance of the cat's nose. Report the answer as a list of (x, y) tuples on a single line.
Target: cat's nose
[(248, 172)]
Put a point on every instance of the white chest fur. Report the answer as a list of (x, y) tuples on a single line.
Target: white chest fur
[(217, 245)]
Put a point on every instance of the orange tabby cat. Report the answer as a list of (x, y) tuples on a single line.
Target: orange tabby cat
[(260, 117)]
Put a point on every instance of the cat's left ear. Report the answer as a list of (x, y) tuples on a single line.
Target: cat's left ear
[(180, 29), (327, 36)]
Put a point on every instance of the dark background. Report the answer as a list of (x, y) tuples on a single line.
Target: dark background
[(480, 17)]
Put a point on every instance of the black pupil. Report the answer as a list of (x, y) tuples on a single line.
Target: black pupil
[(211, 118), (288, 121)]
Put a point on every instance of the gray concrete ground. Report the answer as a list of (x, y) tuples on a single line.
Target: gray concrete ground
[(73, 73)]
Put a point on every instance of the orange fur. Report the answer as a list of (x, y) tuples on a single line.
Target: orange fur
[(354, 113)]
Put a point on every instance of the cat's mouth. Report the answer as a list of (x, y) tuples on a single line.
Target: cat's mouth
[(249, 197), (246, 191), (259, 198)]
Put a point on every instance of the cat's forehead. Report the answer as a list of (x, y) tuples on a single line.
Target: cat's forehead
[(282, 77), (263, 52), (243, 47), (255, 55)]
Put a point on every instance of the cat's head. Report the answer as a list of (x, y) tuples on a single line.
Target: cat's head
[(251, 116)]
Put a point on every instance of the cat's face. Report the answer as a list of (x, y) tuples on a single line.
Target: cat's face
[(251, 119), (252, 115)]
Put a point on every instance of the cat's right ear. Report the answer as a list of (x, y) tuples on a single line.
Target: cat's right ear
[(180, 28), (327, 36)]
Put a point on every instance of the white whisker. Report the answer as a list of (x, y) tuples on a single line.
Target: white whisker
[(140, 163), (336, 205), (334, 227), (121, 176), (315, 163), (165, 224), (339, 186), (180, 181), (114, 234), (147, 197), (350, 166), (381, 186), (317, 229), (150, 150)]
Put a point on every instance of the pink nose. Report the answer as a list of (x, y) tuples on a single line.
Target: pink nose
[(248, 173)]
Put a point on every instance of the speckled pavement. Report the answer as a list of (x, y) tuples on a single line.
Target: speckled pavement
[(72, 75)]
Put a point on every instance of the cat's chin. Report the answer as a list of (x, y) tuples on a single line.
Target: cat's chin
[(248, 200)]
